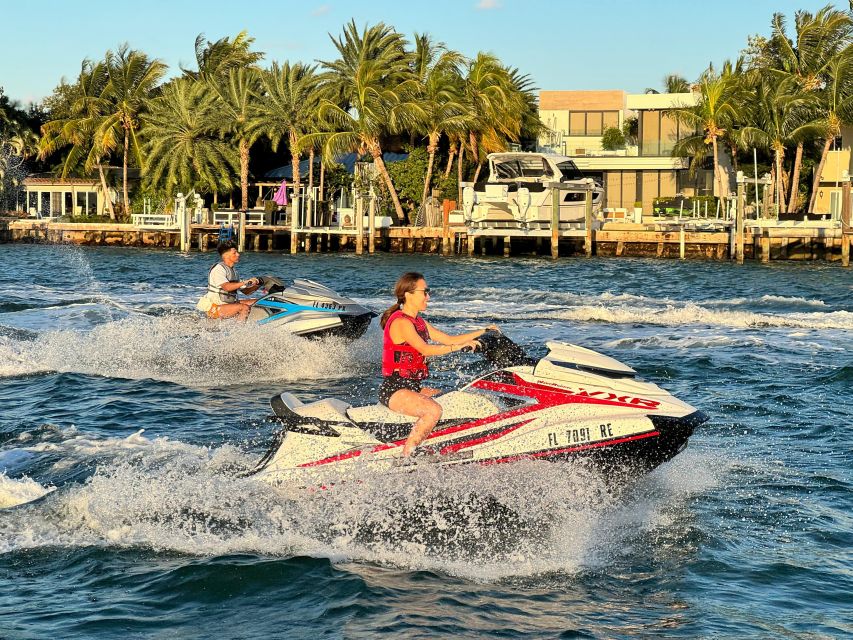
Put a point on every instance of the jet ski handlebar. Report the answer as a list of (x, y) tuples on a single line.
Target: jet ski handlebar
[(501, 351), (271, 284)]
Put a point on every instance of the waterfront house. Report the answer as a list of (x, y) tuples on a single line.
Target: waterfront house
[(576, 121), (838, 166), (50, 197)]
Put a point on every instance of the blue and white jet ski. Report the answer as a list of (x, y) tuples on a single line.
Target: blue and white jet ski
[(307, 308)]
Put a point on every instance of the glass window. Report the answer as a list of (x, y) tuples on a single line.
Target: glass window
[(668, 135), (33, 203), (80, 209), (577, 123), (570, 170), (532, 167), (69, 204), (593, 123), (92, 209), (45, 203), (650, 133), (611, 119), (506, 170)]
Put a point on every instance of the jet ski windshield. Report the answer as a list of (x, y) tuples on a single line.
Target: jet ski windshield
[(271, 284)]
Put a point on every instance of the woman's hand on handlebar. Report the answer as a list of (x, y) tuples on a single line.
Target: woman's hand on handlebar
[(470, 345)]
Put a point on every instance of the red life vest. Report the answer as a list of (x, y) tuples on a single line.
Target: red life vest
[(401, 358)]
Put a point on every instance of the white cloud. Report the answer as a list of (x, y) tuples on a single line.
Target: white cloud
[(322, 10), (485, 5)]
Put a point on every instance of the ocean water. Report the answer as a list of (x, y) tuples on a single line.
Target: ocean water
[(125, 421)]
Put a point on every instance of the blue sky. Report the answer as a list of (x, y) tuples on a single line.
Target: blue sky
[(562, 44)]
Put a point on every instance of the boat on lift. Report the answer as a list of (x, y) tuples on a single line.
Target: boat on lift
[(518, 192)]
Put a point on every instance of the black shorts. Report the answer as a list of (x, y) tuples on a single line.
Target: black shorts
[(393, 383)]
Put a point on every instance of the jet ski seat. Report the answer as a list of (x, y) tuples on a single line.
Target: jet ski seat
[(455, 405)]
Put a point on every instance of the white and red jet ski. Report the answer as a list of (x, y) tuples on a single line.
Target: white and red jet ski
[(572, 403)]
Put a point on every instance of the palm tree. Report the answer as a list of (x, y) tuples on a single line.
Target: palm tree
[(531, 125), (77, 131), (238, 101), (132, 79), (713, 116), (837, 107), (373, 78), (820, 38), (493, 107), (182, 151), (674, 83), (216, 59), (783, 116), (288, 107), (437, 71)]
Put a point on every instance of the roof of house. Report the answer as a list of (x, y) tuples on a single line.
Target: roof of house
[(59, 181), (348, 160)]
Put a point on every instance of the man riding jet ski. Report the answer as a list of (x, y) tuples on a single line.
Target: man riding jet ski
[(572, 403), (305, 308), (308, 308)]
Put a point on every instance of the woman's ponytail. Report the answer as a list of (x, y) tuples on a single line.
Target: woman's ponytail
[(384, 319)]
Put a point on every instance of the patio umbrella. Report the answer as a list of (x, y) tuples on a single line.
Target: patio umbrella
[(280, 197)]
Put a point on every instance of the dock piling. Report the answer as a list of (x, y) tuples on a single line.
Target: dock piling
[(739, 211), (359, 224), (241, 239), (294, 221), (589, 242), (846, 236), (371, 225), (555, 220)]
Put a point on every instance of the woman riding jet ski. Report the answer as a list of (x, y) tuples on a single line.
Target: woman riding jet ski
[(572, 403)]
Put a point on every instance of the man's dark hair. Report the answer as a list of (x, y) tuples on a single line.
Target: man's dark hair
[(224, 247)]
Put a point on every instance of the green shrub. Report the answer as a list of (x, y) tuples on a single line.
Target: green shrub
[(612, 139)]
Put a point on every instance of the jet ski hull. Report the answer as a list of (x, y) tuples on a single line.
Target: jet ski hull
[(309, 309), (573, 404)]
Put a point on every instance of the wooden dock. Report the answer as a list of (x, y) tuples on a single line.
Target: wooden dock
[(663, 239)]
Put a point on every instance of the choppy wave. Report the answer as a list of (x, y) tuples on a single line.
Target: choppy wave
[(481, 523), (494, 294), (685, 313), (181, 349), (20, 491)]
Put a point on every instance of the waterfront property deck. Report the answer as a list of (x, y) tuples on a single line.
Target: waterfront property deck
[(687, 238)]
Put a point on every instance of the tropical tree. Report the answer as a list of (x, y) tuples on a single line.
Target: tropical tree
[(836, 107), (131, 80), (288, 108), (783, 115), (820, 38), (182, 151), (76, 132), (439, 95), (494, 105), (373, 80), (216, 59), (237, 102), (713, 115), (672, 83)]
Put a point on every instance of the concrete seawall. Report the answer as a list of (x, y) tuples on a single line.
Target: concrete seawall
[(617, 240)]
